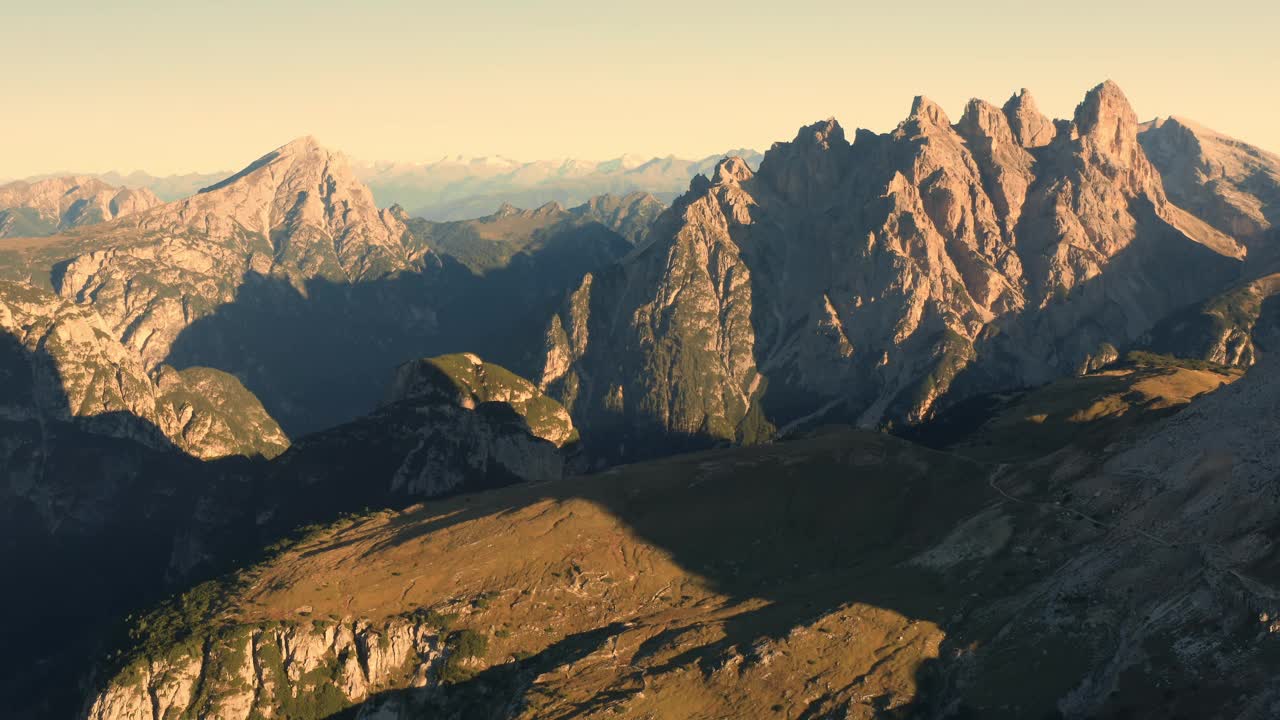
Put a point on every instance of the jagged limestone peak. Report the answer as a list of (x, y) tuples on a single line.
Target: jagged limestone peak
[(1031, 128), (926, 111)]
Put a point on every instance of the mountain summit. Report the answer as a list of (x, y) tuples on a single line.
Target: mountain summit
[(870, 280), (306, 203)]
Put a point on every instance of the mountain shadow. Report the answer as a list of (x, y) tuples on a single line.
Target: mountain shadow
[(319, 354), (89, 512), (844, 574), (810, 538), (103, 516)]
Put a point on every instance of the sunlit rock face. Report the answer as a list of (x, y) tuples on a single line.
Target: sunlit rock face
[(870, 280), (297, 213)]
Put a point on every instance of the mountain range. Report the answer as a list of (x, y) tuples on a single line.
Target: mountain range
[(461, 188), (873, 281), (871, 425)]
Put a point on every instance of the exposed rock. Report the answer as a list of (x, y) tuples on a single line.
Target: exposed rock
[(215, 416), (291, 255), (53, 205), (1226, 329), (1030, 128), (280, 670), (937, 250), (66, 366), (468, 382), (450, 423), (296, 213), (1232, 185)]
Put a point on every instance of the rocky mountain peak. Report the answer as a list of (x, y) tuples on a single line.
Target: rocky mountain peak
[(1105, 113), (928, 112), (1106, 129), (1030, 127), (732, 169), (302, 191), (809, 161), (301, 156), (550, 209), (303, 144), (982, 119), (821, 134), (1232, 185)]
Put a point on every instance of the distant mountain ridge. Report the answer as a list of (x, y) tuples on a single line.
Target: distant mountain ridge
[(458, 188), (461, 188), (52, 205)]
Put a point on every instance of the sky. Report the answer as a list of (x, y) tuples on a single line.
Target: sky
[(176, 86)]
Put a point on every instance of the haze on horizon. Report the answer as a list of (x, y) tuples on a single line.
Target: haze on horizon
[(169, 88)]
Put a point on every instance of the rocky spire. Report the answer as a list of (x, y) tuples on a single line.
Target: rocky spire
[(1108, 130), (1030, 128), (732, 169), (926, 111), (822, 134), (982, 119), (810, 162), (1105, 111)]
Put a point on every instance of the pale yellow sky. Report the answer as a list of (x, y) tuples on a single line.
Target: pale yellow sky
[(147, 85)]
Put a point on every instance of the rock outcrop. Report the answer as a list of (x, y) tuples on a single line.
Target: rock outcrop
[(468, 382), (863, 280), (54, 205), (292, 255), (1121, 578), (1227, 329), (64, 365), (449, 424), (298, 670)]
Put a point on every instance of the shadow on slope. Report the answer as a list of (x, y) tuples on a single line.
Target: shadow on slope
[(846, 574), (102, 516), (822, 534), (320, 354), (90, 508)]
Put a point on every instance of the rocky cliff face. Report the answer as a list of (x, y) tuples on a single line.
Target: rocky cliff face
[(863, 279), (66, 366), (468, 382), (54, 205), (1226, 329), (299, 670)]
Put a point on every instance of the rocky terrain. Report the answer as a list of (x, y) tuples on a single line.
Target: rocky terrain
[(65, 365), (52, 205), (877, 279), (1230, 184), (291, 255), (972, 418), (1068, 578), (448, 424), (119, 482)]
